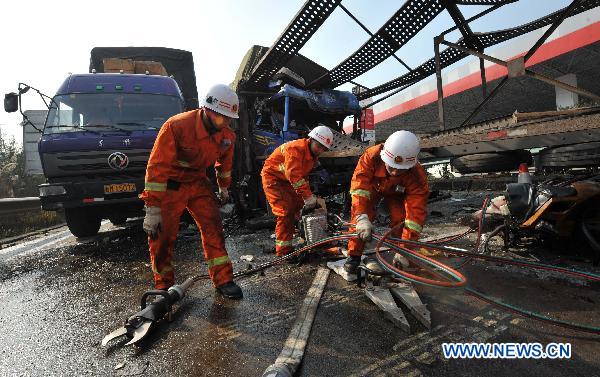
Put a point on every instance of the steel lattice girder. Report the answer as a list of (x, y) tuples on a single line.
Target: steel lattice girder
[(482, 2), (411, 18), (298, 32), (450, 56)]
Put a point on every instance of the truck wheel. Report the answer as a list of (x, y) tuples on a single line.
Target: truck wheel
[(490, 162), (571, 156), (82, 223)]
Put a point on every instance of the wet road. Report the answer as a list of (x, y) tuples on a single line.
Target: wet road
[(60, 297)]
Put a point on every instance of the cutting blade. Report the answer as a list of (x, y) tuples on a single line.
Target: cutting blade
[(140, 332), (115, 334)]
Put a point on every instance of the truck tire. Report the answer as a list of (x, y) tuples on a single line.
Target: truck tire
[(82, 223), (491, 162), (571, 156)]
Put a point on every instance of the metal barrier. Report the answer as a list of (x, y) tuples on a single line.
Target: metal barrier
[(11, 206)]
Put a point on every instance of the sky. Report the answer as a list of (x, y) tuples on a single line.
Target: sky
[(44, 41)]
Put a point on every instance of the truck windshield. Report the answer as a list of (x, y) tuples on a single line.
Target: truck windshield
[(97, 112)]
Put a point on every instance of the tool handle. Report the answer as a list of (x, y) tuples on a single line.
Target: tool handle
[(155, 292)]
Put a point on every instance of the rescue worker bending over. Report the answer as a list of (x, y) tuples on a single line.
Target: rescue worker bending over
[(284, 179), (390, 172), (186, 145)]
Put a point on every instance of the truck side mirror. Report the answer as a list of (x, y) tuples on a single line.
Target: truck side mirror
[(11, 102)]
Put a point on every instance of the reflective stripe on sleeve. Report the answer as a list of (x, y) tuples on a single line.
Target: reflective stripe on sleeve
[(155, 186), (183, 164), (282, 148), (225, 174), (299, 183), (360, 192), (282, 167)]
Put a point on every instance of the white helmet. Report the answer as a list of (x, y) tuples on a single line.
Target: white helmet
[(400, 150), (221, 99), (323, 135)]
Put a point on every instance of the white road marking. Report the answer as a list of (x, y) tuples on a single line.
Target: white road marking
[(35, 245), (425, 347), (44, 243)]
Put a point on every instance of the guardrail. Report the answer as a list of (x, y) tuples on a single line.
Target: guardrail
[(11, 206)]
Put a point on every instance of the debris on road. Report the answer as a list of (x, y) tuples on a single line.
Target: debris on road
[(247, 258)]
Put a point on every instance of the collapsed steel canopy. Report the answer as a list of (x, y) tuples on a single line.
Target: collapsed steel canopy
[(407, 22)]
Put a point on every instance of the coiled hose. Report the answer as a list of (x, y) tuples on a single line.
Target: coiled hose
[(449, 277)]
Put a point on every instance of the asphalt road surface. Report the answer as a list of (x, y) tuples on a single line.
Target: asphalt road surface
[(60, 296)]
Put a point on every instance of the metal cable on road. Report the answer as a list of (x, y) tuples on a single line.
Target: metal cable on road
[(456, 276), (279, 260), (457, 280), (450, 277)]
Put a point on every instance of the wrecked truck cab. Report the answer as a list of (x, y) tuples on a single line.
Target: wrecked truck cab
[(291, 113), (95, 145)]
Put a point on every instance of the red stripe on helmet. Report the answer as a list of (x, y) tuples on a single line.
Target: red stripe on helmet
[(225, 104)]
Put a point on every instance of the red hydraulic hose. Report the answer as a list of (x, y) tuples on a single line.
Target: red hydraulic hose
[(460, 281)]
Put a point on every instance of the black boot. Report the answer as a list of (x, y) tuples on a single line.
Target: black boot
[(351, 264), (230, 290)]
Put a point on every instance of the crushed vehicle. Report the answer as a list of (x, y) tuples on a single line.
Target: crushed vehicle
[(281, 109), (563, 212)]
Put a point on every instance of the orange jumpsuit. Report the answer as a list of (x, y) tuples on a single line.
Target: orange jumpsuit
[(176, 180), (284, 180), (405, 195)]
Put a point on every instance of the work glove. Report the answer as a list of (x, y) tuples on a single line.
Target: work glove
[(310, 203), (152, 222), (223, 195), (364, 227)]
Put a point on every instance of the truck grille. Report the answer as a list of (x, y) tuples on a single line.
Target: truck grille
[(93, 163)]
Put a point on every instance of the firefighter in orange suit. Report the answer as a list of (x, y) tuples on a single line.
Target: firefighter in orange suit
[(284, 179), (186, 145), (388, 171)]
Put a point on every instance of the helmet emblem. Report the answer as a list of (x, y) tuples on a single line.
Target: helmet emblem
[(234, 108), (398, 159), (118, 160)]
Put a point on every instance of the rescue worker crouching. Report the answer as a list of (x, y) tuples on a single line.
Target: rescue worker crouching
[(187, 144), (391, 172), (285, 182)]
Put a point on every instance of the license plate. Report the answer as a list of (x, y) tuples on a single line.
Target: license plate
[(119, 187)]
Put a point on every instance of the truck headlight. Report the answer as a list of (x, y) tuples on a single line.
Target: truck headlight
[(52, 190)]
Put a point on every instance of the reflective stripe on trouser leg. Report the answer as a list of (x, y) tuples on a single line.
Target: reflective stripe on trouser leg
[(204, 209), (286, 205), (284, 233), (161, 249)]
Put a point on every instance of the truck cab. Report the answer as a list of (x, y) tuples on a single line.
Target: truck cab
[(95, 145)]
